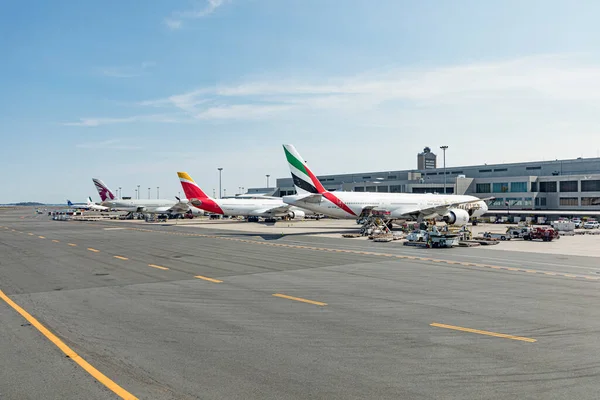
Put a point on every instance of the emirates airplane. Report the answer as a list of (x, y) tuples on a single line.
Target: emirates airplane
[(260, 206), (311, 195)]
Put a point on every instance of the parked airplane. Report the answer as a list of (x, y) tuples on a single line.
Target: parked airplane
[(453, 209), (158, 206), (90, 205), (268, 207)]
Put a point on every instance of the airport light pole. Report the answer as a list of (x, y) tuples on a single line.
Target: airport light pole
[(268, 180), (138, 192), (157, 192), (220, 170), (225, 192), (120, 192), (444, 148), (148, 193)]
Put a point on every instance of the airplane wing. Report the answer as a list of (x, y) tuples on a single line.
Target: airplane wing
[(179, 207), (272, 211), (439, 209), (311, 198)]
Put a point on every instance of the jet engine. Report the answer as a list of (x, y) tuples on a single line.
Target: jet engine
[(296, 214), (456, 216)]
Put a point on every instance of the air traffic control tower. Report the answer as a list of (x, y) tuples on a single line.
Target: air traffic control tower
[(426, 159)]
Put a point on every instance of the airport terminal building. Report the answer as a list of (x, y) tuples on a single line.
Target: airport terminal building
[(544, 185)]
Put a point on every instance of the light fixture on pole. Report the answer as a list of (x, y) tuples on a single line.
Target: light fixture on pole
[(220, 170), (138, 192), (267, 180), (120, 192), (157, 192), (148, 193), (444, 148)]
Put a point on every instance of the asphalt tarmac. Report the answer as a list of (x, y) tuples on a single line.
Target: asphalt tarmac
[(172, 312)]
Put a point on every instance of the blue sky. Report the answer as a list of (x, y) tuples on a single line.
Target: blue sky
[(133, 91)]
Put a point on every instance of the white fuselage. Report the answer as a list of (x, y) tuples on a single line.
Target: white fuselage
[(397, 203), (256, 207), (146, 206)]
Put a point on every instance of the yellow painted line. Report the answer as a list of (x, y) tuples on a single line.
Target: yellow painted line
[(488, 333), (592, 277), (94, 250), (121, 257), (549, 273), (530, 271), (30, 234), (157, 266), (207, 279), (283, 296), (42, 237), (99, 376), (512, 269), (72, 244), (56, 241), (570, 276)]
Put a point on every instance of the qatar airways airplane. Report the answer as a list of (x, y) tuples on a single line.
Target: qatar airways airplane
[(260, 206), (158, 206), (311, 195)]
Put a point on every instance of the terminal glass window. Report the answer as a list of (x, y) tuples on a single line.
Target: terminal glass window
[(497, 202), (590, 186), (397, 188), (569, 201), (527, 202), (371, 189), (532, 168), (569, 186), (500, 169), (500, 187), (518, 186), (513, 201), (382, 188), (359, 189), (590, 201), (548, 187), (534, 186), (483, 188), (485, 170), (392, 177), (540, 201)]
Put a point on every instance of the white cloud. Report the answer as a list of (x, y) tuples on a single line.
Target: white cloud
[(129, 71), (111, 144), (93, 122), (173, 24), (175, 21)]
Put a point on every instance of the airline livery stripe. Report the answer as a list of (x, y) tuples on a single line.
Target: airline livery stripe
[(302, 184), (294, 161)]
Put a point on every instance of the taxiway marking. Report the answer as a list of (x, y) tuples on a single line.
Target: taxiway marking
[(158, 266), (284, 296), (487, 333), (121, 257), (207, 279), (99, 376)]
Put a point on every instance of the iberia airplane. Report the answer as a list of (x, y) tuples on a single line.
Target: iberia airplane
[(268, 207), (311, 195)]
